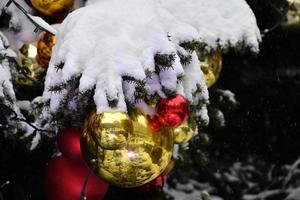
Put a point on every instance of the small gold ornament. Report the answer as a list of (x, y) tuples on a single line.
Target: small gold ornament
[(184, 133), (211, 65), (143, 157), (30, 74), (53, 7), (293, 14), (44, 48)]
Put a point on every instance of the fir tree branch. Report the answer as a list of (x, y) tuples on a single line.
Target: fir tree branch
[(192, 46), (59, 66), (163, 61), (15, 117), (184, 59)]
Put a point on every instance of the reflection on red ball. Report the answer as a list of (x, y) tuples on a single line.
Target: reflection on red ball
[(173, 111), (64, 180), (154, 186), (154, 123), (68, 141)]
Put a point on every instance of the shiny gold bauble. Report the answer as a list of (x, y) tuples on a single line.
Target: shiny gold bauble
[(211, 65), (142, 157), (293, 14), (30, 73), (110, 130), (44, 48), (184, 133), (52, 7)]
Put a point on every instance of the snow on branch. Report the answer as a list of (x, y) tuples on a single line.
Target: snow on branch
[(218, 22), (110, 39)]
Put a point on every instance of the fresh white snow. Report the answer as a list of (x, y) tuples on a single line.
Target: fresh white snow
[(110, 38)]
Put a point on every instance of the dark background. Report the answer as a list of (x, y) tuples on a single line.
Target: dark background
[(265, 123)]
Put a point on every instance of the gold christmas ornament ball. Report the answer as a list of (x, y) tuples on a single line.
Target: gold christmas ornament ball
[(30, 73), (53, 7), (44, 48), (184, 133), (138, 156), (293, 14), (211, 65)]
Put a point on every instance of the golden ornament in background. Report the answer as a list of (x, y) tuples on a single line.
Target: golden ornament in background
[(30, 73), (53, 7), (44, 48), (143, 157), (293, 14), (184, 133), (211, 65)]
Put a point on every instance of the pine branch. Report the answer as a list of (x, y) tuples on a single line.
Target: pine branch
[(15, 117), (163, 61), (131, 79), (184, 59), (192, 46), (57, 88), (59, 66), (72, 82)]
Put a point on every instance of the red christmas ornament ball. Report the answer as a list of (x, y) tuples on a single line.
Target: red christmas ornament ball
[(173, 111), (68, 141), (154, 186), (64, 180)]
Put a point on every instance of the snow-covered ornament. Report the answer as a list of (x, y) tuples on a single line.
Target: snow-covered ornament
[(211, 66), (44, 48), (53, 7), (140, 158)]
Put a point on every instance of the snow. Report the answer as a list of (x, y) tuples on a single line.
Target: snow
[(218, 22), (294, 194), (5, 78), (25, 29), (108, 39), (42, 23)]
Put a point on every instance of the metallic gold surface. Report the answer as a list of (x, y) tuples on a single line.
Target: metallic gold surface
[(44, 48), (211, 65), (293, 14), (111, 130), (50, 7), (143, 157), (183, 133), (30, 73)]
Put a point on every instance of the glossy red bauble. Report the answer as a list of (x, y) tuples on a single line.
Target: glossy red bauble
[(154, 186), (68, 141), (64, 180), (172, 111)]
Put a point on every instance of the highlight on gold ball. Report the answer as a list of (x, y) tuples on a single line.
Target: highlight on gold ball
[(142, 157), (53, 7), (211, 66), (44, 48)]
